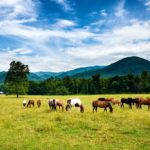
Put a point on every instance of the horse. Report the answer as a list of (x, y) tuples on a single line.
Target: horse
[(53, 103), (105, 99), (38, 103), (137, 102), (142, 101), (60, 104), (30, 103), (101, 104), (75, 102), (128, 101), (114, 102)]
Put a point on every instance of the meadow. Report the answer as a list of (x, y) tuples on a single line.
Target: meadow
[(39, 129)]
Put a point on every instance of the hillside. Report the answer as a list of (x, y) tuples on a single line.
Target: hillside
[(39, 76), (2, 76), (134, 65), (78, 70)]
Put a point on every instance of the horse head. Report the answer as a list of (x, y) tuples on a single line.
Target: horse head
[(81, 108)]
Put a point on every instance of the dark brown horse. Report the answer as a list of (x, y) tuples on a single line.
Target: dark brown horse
[(101, 104), (39, 103), (30, 103), (128, 101)]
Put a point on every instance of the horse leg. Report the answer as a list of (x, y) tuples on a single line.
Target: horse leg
[(105, 109), (96, 109), (122, 105), (148, 107), (93, 109), (130, 106), (140, 106)]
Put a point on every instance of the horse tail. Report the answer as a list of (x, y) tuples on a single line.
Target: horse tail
[(110, 107)]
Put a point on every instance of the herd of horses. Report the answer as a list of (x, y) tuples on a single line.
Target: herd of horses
[(99, 103)]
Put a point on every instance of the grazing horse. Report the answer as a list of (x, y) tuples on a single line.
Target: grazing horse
[(137, 102), (101, 104), (75, 102), (142, 101), (128, 101), (38, 103), (53, 103), (114, 102), (60, 104), (30, 103)]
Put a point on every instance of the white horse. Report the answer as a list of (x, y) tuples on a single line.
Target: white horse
[(75, 102)]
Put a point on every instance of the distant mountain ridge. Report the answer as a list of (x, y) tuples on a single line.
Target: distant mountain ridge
[(134, 65), (40, 76)]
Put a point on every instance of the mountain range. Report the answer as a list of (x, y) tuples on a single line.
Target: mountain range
[(134, 65)]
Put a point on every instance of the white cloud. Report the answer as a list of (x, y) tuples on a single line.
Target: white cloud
[(62, 23), (120, 10), (65, 4), (129, 40), (16, 9), (103, 13), (147, 4), (20, 51)]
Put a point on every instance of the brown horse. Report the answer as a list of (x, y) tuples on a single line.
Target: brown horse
[(53, 103), (39, 103), (114, 102), (101, 104), (60, 105), (30, 103), (142, 101)]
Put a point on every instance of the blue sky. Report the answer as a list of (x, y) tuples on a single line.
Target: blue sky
[(59, 35)]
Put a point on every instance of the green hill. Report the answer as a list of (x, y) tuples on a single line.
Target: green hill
[(134, 65)]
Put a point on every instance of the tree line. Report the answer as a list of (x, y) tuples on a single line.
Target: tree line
[(16, 82), (95, 85)]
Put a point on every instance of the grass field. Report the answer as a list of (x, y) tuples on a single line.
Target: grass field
[(40, 129)]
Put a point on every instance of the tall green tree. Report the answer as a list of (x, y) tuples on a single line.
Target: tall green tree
[(16, 80)]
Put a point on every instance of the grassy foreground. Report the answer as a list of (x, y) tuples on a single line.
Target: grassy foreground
[(40, 129)]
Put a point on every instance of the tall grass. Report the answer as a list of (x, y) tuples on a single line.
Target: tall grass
[(39, 129)]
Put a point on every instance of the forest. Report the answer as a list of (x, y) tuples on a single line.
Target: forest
[(95, 85)]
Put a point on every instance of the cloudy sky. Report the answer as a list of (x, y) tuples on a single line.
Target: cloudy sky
[(59, 35)]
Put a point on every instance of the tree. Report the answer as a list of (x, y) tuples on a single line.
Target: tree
[(16, 80), (95, 86)]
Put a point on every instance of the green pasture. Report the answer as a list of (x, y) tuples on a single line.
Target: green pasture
[(39, 129)]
